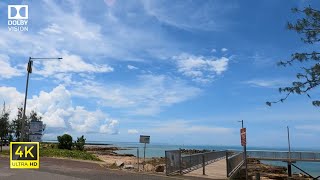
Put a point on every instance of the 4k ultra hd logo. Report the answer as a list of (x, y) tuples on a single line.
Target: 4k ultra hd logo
[(18, 17), (24, 155)]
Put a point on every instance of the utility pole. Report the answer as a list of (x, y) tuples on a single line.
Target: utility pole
[(245, 153), (23, 123), (289, 162)]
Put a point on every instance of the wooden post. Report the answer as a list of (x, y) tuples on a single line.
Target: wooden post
[(289, 169)]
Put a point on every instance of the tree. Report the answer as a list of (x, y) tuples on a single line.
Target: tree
[(4, 123), (16, 123), (65, 141), (79, 144), (309, 27)]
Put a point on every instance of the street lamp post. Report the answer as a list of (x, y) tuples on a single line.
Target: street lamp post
[(29, 70), (289, 146), (245, 153)]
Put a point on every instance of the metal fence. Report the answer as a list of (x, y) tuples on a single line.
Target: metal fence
[(178, 164), (284, 155), (196, 161), (234, 163), (173, 160)]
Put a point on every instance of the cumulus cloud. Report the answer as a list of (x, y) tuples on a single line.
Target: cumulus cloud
[(224, 49), (200, 68), (58, 112)]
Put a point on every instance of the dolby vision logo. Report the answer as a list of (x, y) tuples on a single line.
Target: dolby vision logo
[(17, 11), (18, 17)]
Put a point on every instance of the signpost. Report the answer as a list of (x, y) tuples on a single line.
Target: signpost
[(146, 140), (243, 135)]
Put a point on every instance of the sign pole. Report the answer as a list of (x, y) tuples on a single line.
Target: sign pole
[(138, 159), (243, 135), (144, 155)]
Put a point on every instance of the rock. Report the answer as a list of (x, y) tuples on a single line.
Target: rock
[(128, 166), (160, 168), (119, 163), (148, 167)]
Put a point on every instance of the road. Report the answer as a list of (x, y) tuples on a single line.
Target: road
[(62, 169)]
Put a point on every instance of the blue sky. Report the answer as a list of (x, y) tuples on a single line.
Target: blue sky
[(183, 72)]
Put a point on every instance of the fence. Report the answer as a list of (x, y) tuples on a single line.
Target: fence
[(284, 155), (234, 163), (177, 164)]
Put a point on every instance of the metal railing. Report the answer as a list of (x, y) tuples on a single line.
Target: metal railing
[(196, 161), (284, 155), (234, 163), (178, 164)]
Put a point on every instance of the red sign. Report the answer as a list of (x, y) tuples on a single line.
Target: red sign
[(243, 136)]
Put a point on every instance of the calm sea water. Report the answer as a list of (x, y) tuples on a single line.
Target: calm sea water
[(158, 150)]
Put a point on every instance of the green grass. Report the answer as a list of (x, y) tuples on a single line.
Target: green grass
[(64, 153), (51, 150)]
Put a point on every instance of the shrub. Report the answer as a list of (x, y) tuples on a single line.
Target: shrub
[(80, 143), (65, 142)]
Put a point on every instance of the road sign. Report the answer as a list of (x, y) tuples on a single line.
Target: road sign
[(36, 131), (243, 136), (144, 139), (24, 155)]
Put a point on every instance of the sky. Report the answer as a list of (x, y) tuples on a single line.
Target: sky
[(183, 72)]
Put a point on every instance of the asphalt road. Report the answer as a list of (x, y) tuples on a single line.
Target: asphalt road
[(62, 169)]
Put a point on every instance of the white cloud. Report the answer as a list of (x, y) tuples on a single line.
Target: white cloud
[(191, 15), (110, 127), (146, 97), (133, 131), (224, 49), (58, 112), (132, 67), (200, 68), (276, 83), (6, 70), (70, 64), (213, 50)]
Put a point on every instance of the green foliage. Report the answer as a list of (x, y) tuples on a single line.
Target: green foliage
[(4, 123), (74, 154), (16, 124), (309, 27), (65, 142), (79, 144)]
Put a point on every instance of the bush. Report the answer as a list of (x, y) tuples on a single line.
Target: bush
[(79, 144), (65, 142)]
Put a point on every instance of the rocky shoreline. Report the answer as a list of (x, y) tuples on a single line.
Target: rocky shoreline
[(266, 171)]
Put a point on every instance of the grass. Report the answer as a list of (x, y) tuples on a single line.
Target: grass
[(64, 153), (51, 150)]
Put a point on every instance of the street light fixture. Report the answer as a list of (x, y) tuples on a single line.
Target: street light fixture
[(29, 70)]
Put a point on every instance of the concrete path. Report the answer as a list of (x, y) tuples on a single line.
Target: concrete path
[(216, 170)]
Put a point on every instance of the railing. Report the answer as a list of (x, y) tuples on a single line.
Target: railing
[(234, 163), (284, 155), (196, 161), (178, 164)]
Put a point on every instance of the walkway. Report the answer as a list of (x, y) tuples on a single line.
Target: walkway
[(216, 170)]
